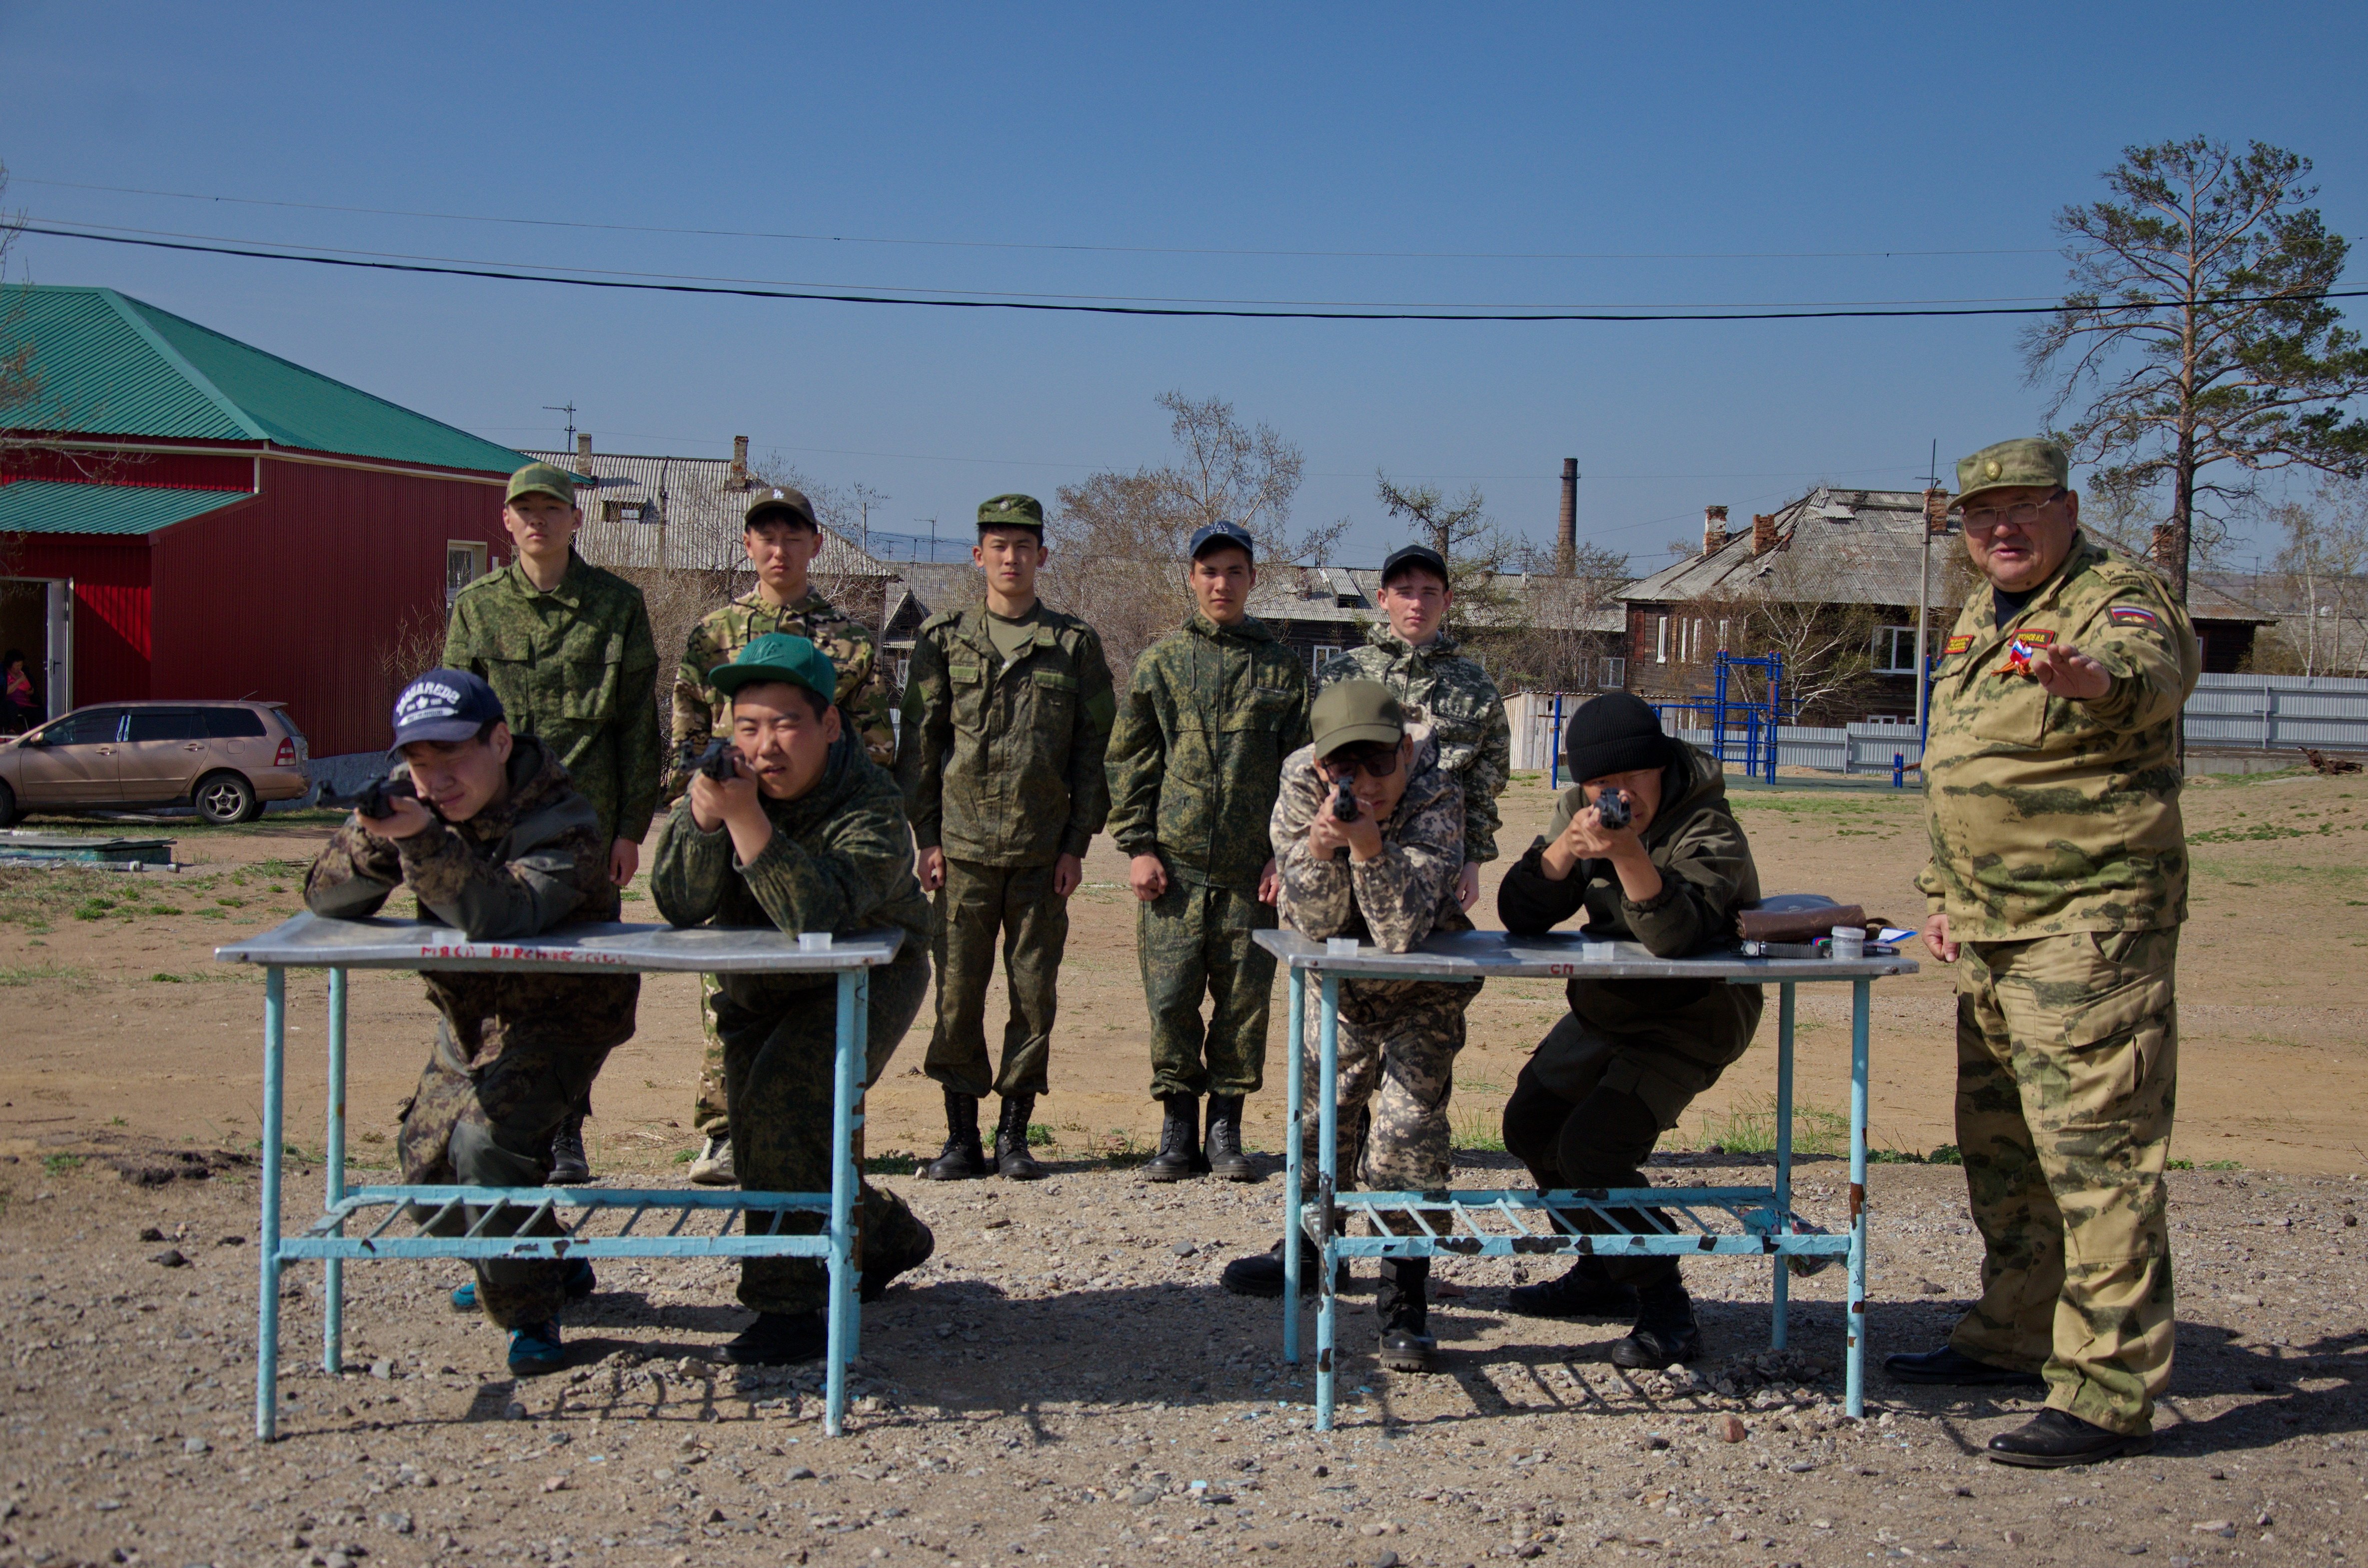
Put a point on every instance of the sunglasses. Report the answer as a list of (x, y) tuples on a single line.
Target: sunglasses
[(1374, 761)]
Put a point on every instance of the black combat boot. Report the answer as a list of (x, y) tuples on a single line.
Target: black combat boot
[(1404, 1307), (1586, 1291), (1261, 1274), (569, 1167), (1179, 1141), (962, 1159), (1012, 1160), (1223, 1149), (1665, 1332)]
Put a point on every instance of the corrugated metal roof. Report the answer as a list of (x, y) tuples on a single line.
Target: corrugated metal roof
[(48, 506), (684, 512), (113, 365)]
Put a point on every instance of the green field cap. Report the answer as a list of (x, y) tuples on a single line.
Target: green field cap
[(1011, 512), (776, 656), (2026, 459), (1355, 713), (541, 479)]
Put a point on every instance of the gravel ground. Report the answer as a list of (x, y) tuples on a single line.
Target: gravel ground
[(1065, 1383)]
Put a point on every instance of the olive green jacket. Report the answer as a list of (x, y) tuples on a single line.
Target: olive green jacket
[(1196, 758), (1002, 764), (577, 667), (2049, 816)]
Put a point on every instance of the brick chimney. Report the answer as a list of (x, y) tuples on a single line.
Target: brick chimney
[(583, 448), (1936, 511), (739, 462), (1714, 529), (1567, 531), (1763, 532), (2164, 549)]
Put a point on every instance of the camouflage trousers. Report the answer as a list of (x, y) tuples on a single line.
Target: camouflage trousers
[(2067, 1057), (492, 1094), (711, 1112), (977, 904), (779, 1045), (1397, 1044), (1193, 940)]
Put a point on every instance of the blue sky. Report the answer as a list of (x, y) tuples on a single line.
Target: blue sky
[(1719, 154)]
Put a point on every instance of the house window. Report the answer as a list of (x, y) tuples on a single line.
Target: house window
[(464, 562), (1322, 654), (1614, 673), (1722, 637), (1661, 640), (1895, 651), (611, 511)]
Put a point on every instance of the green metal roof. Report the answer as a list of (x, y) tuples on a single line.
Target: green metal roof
[(48, 506), (112, 365)]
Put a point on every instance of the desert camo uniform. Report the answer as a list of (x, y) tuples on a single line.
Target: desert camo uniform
[(2060, 859), (514, 1051), (1195, 761), (1398, 1038), (699, 716), (1465, 712), (840, 860)]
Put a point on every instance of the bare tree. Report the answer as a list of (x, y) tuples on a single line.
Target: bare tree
[(1476, 551), (1826, 649), (1547, 645), (2198, 328), (2323, 562)]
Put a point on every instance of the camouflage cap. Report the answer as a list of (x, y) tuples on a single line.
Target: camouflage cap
[(778, 656), (1355, 713), (780, 504), (1013, 511), (2026, 459), (541, 479)]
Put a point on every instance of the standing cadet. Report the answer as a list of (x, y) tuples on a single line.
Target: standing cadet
[(2057, 884), (1387, 876), (807, 834), (1195, 763), (782, 537), (500, 844), (1413, 655), (1007, 712), (567, 648)]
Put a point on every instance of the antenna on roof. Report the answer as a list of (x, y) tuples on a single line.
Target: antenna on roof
[(568, 408)]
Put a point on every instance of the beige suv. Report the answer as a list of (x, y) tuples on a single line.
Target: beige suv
[(228, 760)]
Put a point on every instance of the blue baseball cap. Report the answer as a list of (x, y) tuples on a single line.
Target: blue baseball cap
[(444, 705), (1222, 533)]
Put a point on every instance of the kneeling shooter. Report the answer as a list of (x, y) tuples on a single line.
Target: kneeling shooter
[(496, 841), (1622, 1066), (808, 835)]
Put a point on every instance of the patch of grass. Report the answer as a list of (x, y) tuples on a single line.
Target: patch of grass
[(684, 1157), (94, 909), (892, 1164), (1119, 1148), (116, 1121), (58, 1164), (28, 974), (2178, 1164), (1039, 1135), (2264, 830), (161, 978), (1479, 1132), (1749, 1127), (2221, 1166)]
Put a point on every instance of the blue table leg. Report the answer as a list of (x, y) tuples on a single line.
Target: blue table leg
[(843, 1179), (1778, 1317), (1854, 1319), (266, 1316), (1292, 1174), (1327, 1177), (333, 1271)]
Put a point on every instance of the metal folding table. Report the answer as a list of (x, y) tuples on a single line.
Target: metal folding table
[(1716, 1221), (703, 1222)]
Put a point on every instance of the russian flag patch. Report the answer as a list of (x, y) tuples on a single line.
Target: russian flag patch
[(2133, 615)]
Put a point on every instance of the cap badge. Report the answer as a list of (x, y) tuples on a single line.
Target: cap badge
[(1992, 469)]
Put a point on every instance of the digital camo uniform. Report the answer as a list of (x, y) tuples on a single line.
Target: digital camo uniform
[(514, 1051), (1398, 1038), (840, 860), (700, 715), (1465, 710), (2060, 858), (1003, 769), (577, 668), (1195, 760)]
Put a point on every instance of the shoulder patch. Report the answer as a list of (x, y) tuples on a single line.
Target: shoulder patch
[(1957, 645), (2133, 615)]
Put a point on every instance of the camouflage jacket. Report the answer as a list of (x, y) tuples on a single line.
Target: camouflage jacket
[(1003, 764), (1688, 1029), (699, 716), (2046, 814), (577, 666), (841, 861), (536, 860), (1462, 708), (1399, 897), (1196, 756)]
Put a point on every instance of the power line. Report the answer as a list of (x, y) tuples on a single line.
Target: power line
[(510, 275), (1040, 245)]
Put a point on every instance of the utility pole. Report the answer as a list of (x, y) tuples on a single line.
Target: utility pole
[(1936, 515), (568, 408)]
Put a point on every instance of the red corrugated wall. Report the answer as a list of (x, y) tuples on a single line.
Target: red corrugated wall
[(113, 637), (299, 595)]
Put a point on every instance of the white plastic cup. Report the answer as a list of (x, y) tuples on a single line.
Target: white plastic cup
[(1849, 943), (1596, 952), (814, 941), (1339, 946)]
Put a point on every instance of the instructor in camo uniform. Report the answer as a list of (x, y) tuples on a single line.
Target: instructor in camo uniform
[(2057, 884)]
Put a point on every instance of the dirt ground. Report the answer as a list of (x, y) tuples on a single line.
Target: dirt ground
[(999, 1427)]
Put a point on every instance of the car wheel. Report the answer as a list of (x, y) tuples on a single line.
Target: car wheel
[(7, 806), (223, 798)]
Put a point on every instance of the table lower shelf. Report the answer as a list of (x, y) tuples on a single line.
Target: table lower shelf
[(1526, 1224), (720, 1223)]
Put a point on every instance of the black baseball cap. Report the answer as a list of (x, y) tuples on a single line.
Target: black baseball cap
[(1222, 533), (445, 705), (1420, 555)]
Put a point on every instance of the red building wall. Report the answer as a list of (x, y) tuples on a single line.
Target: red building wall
[(112, 643)]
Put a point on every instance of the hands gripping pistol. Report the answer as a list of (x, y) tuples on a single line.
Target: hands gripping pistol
[(371, 800), (716, 761)]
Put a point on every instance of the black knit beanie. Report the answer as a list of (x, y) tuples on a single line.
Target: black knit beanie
[(1616, 733)]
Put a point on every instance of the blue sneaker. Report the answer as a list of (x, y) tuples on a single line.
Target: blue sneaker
[(465, 1297), (535, 1349), (579, 1282)]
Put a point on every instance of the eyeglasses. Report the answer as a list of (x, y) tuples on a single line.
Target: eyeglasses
[(1372, 761), (1986, 521)]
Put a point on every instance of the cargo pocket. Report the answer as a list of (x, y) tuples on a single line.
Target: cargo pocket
[(1056, 694), (968, 683), (2113, 1041), (2008, 708)]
